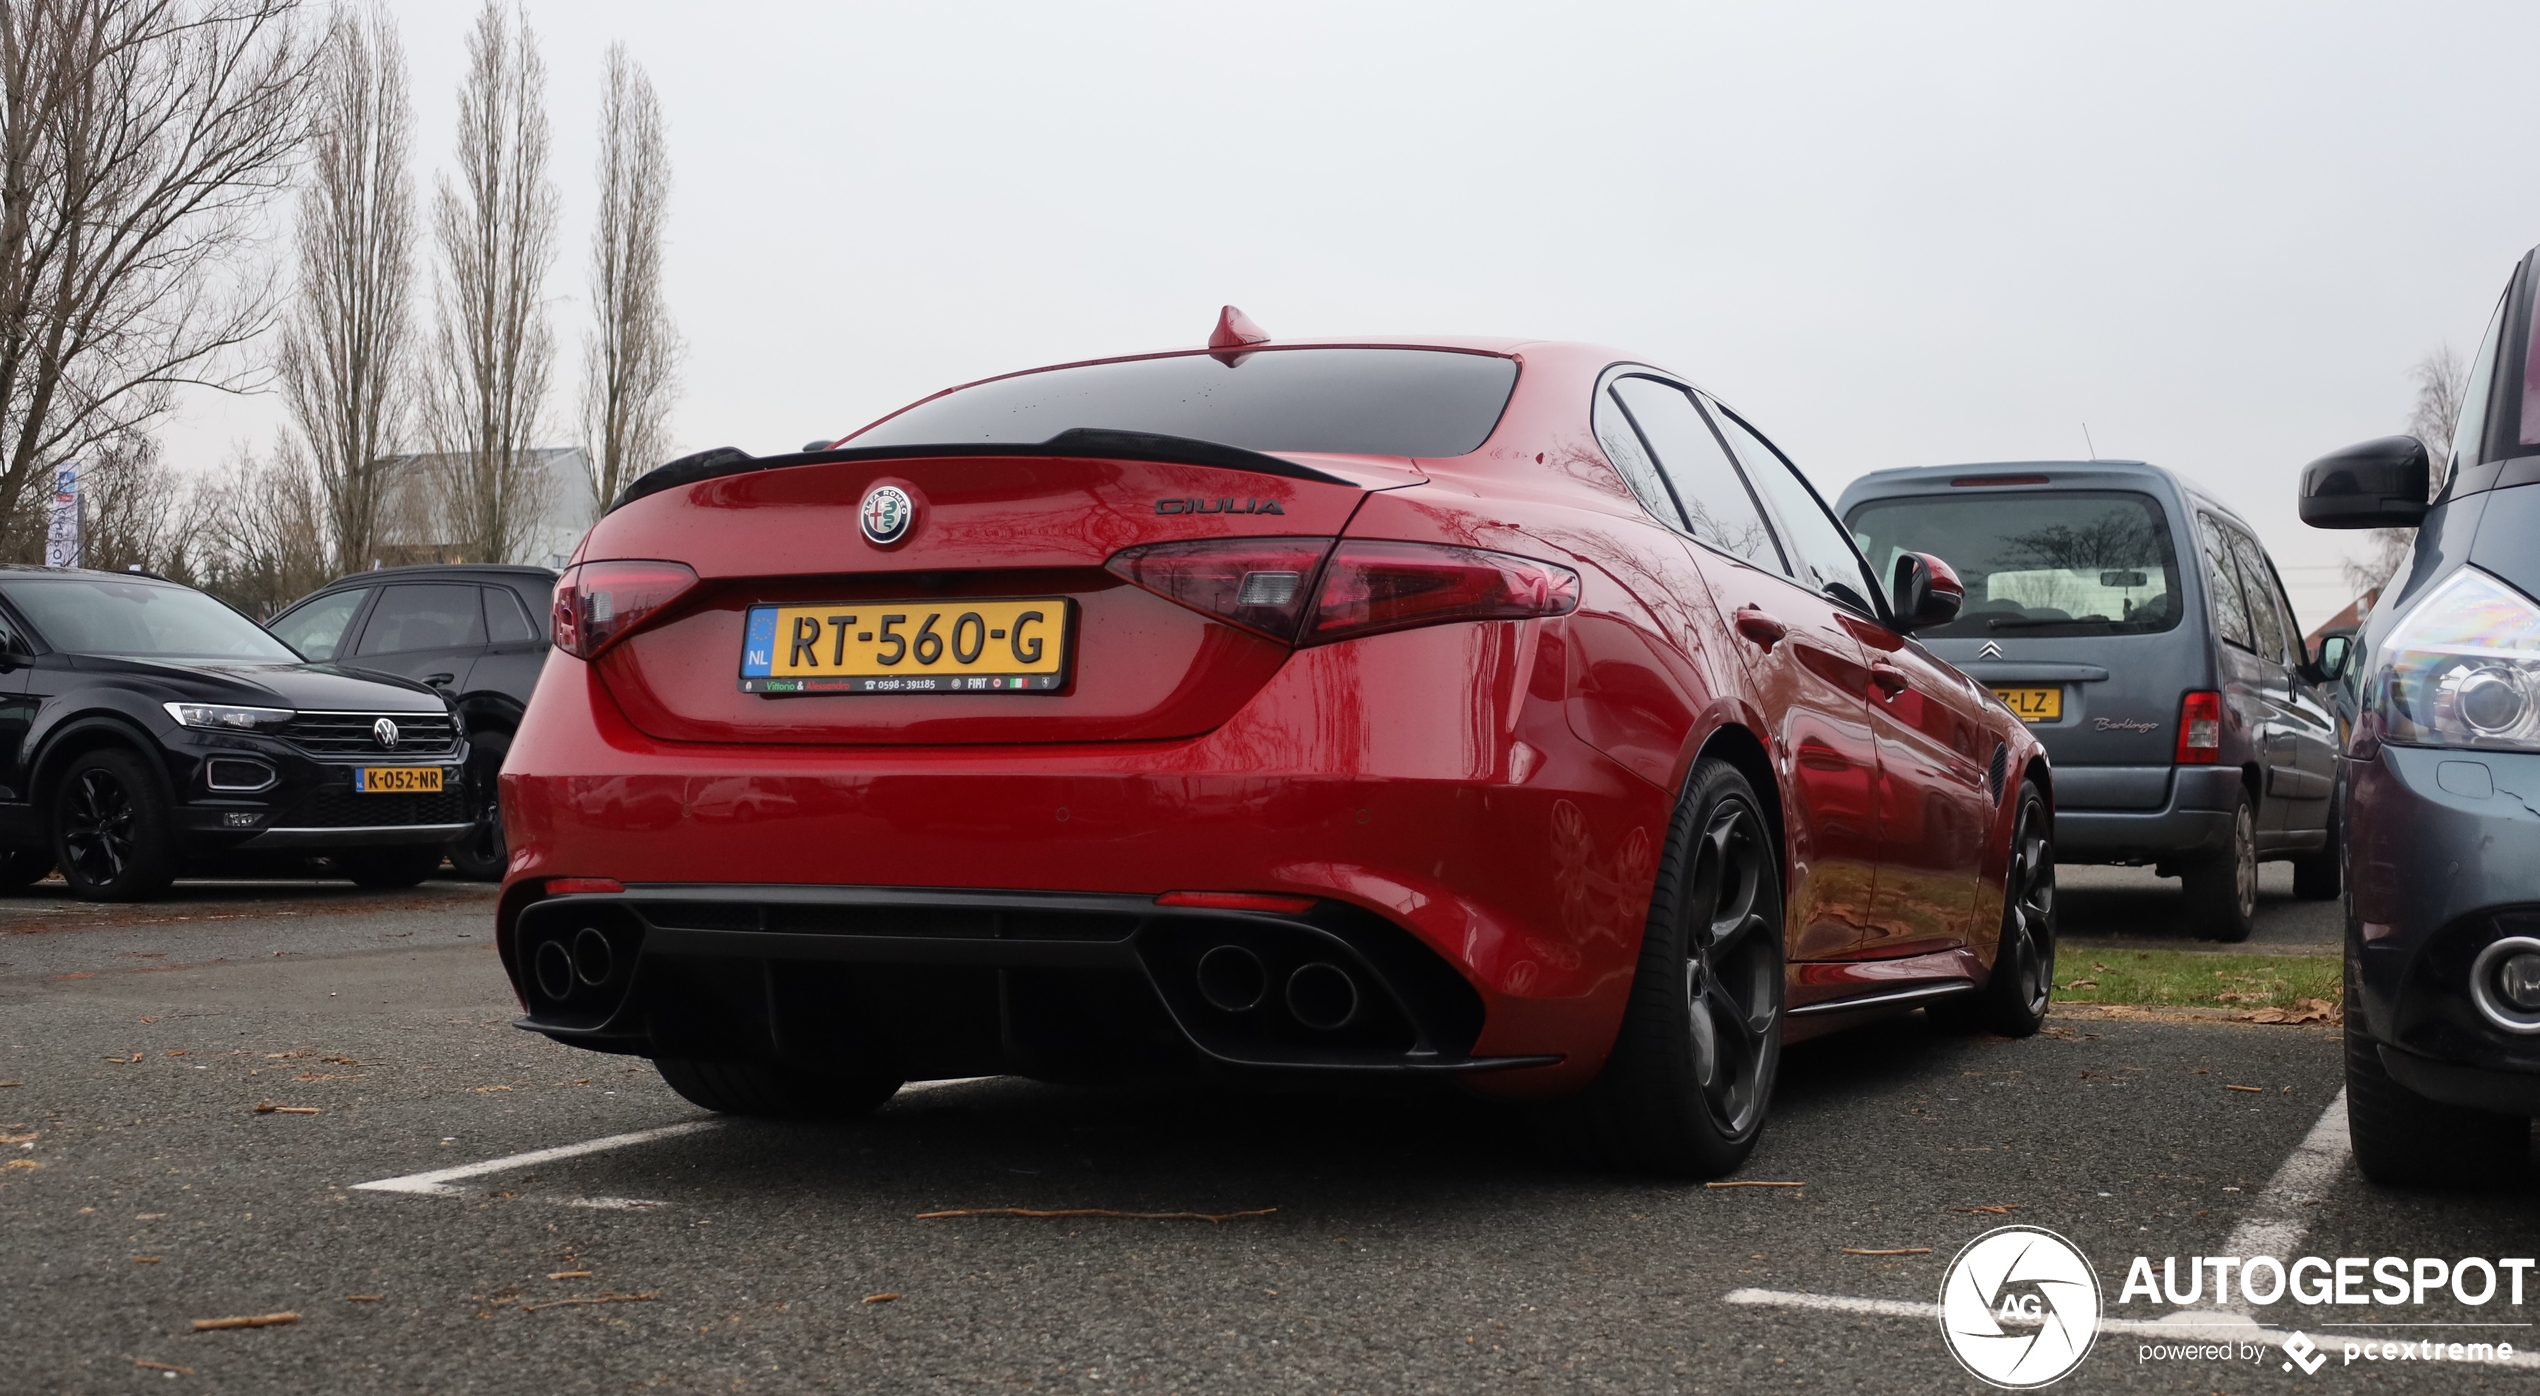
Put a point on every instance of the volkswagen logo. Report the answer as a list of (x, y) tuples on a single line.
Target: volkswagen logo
[(886, 515), (384, 732)]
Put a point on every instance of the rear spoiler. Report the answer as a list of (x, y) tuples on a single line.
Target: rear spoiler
[(1089, 443)]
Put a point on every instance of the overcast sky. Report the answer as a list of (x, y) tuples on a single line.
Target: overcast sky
[(1894, 235)]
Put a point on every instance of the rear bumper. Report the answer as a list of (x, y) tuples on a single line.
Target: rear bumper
[(1465, 819), (2195, 817)]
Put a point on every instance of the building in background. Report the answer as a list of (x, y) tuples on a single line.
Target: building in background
[(556, 495)]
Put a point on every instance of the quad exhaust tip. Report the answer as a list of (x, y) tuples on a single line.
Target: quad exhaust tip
[(593, 960), (1323, 996), (553, 967), (1232, 979)]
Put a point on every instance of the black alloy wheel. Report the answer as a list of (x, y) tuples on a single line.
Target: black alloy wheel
[(1691, 1078), (2015, 995), (111, 834), (480, 854)]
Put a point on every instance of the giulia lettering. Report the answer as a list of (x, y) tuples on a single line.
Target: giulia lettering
[(978, 637), (806, 635), (1168, 506), (1022, 654), (930, 646), (898, 643), (1218, 506)]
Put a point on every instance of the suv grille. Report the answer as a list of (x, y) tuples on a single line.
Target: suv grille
[(338, 807), (349, 734)]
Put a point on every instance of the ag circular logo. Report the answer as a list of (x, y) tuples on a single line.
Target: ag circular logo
[(2019, 1307), (887, 513)]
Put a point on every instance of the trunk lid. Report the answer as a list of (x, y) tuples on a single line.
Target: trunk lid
[(985, 526)]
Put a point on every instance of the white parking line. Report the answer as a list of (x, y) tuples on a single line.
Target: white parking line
[(2276, 1222), (437, 1182), (2209, 1327)]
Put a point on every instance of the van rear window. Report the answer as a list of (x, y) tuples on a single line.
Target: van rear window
[(1361, 402), (2067, 562)]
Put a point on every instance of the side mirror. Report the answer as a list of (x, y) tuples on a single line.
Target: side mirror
[(2329, 665), (1926, 592), (2381, 483)]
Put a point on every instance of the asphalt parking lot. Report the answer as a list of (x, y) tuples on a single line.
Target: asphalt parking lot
[(1368, 1242)]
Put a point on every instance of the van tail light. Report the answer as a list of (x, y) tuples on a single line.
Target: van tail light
[(2200, 728), (1260, 584), (600, 603), (1370, 588), (1304, 591)]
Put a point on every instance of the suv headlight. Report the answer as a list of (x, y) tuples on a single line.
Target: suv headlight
[(2462, 668), (223, 718)]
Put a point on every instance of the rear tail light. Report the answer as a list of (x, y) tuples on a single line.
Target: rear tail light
[(2200, 728), (599, 603), (1286, 589), (1261, 584), (1370, 588)]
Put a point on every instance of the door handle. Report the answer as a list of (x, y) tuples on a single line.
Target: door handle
[(1890, 679), (1755, 625), (440, 680)]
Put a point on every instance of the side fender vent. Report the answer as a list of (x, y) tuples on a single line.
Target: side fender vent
[(1998, 771)]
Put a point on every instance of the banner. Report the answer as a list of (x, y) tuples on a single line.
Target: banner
[(61, 531)]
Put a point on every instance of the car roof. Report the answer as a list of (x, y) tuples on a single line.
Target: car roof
[(2064, 474), (424, 571)]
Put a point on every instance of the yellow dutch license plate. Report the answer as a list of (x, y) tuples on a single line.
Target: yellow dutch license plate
[(958, 646), (2034, 704), (398, 780)]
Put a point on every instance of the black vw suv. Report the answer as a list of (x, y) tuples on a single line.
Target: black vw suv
[(2440, 780), (146, 729)]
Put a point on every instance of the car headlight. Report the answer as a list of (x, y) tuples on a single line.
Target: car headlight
[(2462, 668), (223, 718)]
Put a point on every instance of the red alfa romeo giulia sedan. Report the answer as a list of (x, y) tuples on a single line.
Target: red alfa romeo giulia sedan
[(1506, 710)]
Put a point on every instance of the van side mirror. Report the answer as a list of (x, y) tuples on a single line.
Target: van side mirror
[(2329, 665), (2380, 483), (1926, 592)]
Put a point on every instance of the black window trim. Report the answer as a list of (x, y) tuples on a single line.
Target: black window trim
[(352, 626), (1615, 373), (1877, 598), (379, 593)]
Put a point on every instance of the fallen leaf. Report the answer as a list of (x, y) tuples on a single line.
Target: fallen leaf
[(181, 1052), (481, 1090), (1900, 1250), (149, 1216), (21, 1163), (149, 1366), (206, 1325), (27, 1138), (340, 1061), (145, 1260), (887, 1298), (2083, 984), (1097, 1212), (1744, 1183), (598, 1299), (363, 1298)]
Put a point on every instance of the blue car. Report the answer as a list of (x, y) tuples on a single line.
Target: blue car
[(2439, 780)]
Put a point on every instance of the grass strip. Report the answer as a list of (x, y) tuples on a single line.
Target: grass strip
[(2194, 979)]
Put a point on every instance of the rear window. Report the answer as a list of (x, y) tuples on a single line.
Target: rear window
[(2068, 563), (1373, 402)]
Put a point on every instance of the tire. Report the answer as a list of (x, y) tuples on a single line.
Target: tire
[(389, 867), (2402, 1139), (114, 836), (2222, 890), (2317, 877), (2015, 995), (21, 868), (778, 1091), (1691, 1078), (480, 854)]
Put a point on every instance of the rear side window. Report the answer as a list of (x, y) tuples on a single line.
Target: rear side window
[(2268, 622), (2064, 562), (1375, 402), (317, 629), (439, 616), (1717, 505), (506, 623), (2231, 610)]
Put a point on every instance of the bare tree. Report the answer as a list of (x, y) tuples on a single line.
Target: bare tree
[(346, 340), (269, 519), (140, 141), (2441, 380), (497, 230), (630, 360), (141, 514)]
